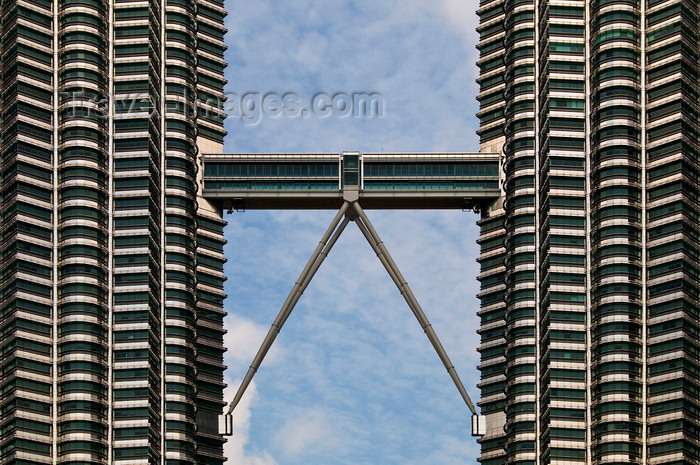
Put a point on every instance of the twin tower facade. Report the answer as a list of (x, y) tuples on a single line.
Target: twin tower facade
[(111, 281), (590, 280)]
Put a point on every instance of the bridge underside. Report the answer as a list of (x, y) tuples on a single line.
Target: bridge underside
[(381, 181), (332, 200)]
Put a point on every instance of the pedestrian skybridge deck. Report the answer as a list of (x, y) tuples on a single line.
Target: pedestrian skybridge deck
[(382, 180)]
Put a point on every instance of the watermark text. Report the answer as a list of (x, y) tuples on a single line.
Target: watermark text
[(248, 107)]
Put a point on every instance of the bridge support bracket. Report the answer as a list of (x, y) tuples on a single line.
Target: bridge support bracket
[(478, 425), (226, 425)]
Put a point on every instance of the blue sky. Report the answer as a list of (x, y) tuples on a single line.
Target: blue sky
[(352, 379)]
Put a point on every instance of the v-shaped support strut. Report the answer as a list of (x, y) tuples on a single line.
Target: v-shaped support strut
[(352, 212)]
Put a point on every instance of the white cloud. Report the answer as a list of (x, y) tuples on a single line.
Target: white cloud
[(242, 340), (234, 449), (308, 434), (401, 49), (461, 15)]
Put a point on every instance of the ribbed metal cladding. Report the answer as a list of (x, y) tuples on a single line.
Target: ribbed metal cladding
[(590, 303), (616, 229), (111, 281)]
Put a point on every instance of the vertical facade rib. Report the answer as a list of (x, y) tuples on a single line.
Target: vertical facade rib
[(111, 291), (589, 288)]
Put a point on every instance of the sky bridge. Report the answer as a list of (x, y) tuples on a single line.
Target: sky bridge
[(381, 180), (351, 182)]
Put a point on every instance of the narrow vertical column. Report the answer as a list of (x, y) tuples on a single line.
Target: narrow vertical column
[(55, 244), (644, 272), (523, 362), (617, 232), (209, 83), (162, 109), (83, 223), (492, 341), (110, 232), (539, 390), (671, 102), (136, 227), (589, 245), (28, 230), (494, 104)]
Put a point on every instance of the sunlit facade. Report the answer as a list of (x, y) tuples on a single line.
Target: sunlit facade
[(589, 262), (111, 284)]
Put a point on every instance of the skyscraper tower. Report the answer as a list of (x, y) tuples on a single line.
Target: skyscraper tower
[(589, 262), (111, 282)]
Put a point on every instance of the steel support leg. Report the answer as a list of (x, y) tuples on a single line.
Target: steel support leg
[(327, 241), (383, 254), (317, 264)]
